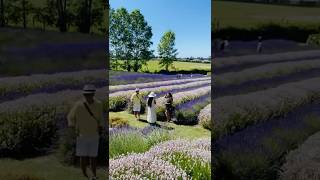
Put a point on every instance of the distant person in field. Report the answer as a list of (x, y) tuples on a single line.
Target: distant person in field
[(151, 109), (259, 45), (169, 106), (136, 103), (86, 117)]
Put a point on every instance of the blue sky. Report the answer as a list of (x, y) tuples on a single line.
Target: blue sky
[(189, 19)]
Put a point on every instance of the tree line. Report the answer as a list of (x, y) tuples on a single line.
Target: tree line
[(130, 41), (59, 14)]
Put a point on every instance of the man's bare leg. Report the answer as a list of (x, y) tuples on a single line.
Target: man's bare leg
[(93, 165), (83, 165), (138, 115)]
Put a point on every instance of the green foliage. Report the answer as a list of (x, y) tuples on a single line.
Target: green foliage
[(117, 103), (157, 136), (116, 122), (166, 50), (27, 133), (130, 39), (127, 142), (192, 166)]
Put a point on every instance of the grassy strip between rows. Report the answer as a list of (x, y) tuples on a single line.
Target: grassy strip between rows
[(179, 131), (38, 114), (233, 113), (266, 71), (225, 62), (303, 162)]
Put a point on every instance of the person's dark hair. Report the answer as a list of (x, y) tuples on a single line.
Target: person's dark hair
[(170, 95), (150, 101)]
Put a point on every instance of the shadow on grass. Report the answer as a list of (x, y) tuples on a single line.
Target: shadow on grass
[(157, 125)]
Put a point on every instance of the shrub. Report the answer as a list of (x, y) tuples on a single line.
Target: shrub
[(117, 103), (125, 142), (117, 122), (27, 133), (314, 39)]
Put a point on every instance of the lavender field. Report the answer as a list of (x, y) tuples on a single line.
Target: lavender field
[(265, 106), (171, 150)]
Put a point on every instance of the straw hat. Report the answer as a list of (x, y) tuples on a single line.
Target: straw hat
[(89, 89), (152, 94)]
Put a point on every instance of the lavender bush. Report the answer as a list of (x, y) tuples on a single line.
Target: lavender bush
[(303, 163), (236, 112), (175, 159), (205, 117)]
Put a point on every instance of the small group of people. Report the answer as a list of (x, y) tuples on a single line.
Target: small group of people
[(136, 100)]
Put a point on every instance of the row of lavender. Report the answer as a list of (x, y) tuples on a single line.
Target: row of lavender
[(119, 100), (173, 159), (227, 64)]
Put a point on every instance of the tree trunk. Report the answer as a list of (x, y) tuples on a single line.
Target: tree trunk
[(2, 23), (24, 14), (86, 17), (61, 6)]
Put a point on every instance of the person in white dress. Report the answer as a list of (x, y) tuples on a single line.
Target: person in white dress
[(151, 103)]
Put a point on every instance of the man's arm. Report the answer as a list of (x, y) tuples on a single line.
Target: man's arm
[(72, 116)]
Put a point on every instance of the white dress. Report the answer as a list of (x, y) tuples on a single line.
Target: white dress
[(152, 115)]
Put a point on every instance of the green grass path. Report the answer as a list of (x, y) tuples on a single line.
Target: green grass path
[(181, 131), (47, 167)]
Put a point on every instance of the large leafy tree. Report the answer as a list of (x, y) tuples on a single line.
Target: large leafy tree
[(129, 38), (166, 50)]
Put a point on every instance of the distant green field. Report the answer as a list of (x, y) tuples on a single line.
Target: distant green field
[(153, 66), (247, 15)]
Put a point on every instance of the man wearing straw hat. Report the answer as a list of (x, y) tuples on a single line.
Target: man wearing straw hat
[(136, 103), (86, 117)]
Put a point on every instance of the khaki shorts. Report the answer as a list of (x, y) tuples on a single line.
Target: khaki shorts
[(87, 146), (136, 107)]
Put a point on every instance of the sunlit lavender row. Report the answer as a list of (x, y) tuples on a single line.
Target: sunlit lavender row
[(154, 84), (205, 117), (61, 100), (232, 113), (118, 100), (172, 159), (23, 85), (266, 58), (266, 71), (185, 96)]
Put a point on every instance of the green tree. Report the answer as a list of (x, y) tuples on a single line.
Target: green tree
[(119, 38), (166, 50), (129, 39), (141, 40)]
